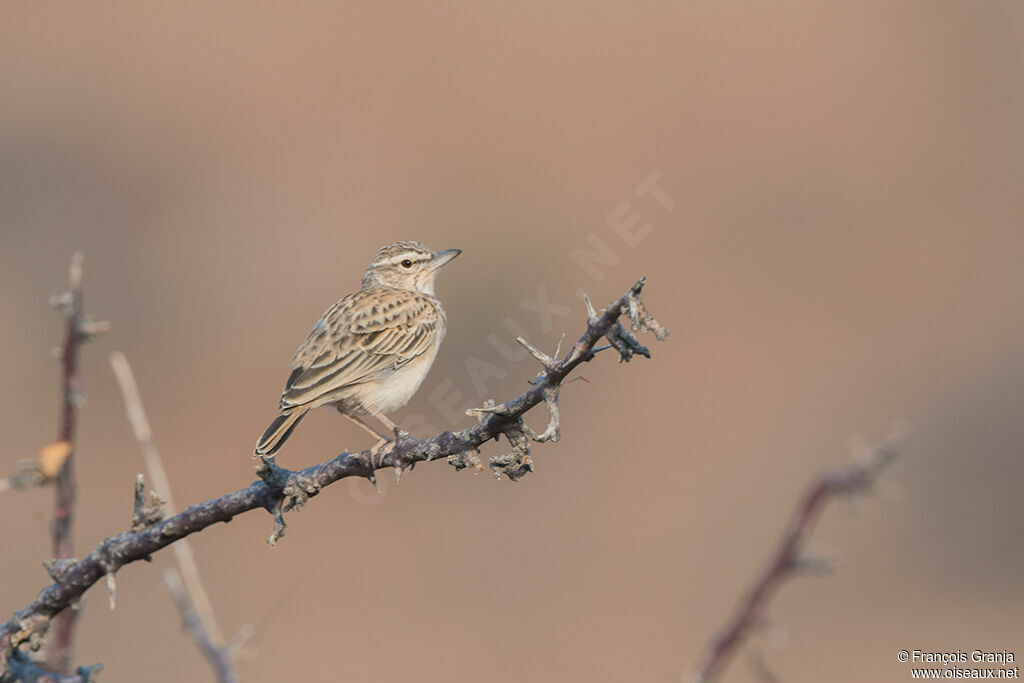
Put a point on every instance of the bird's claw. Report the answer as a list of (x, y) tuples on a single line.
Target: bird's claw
[(377, 450)]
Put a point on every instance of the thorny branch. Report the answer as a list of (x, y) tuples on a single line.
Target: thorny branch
[(789, 557), (281, 490), (80, 329)]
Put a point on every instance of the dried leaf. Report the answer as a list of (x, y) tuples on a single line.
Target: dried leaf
[(52, 457)]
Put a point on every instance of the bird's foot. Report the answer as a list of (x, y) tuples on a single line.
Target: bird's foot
[(377, 451), (401, 465)]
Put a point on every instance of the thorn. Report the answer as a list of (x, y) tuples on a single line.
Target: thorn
[(277, 533), (234, 647), (111, 588), (373, 480), (543, 358), (818, 565), (558, 346), (90, 329), (75, 271), (398, 474), (488, 408), (591, 313)]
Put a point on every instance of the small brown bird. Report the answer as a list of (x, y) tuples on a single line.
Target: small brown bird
[(369, 352)]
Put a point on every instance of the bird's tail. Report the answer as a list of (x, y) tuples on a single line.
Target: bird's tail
[(279, 430)]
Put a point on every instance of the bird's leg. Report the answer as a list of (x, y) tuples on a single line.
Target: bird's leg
[(400, 436), (399, 433), (381, 439), (359, 421)]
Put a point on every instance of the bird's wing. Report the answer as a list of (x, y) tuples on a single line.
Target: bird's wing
[(361, 338)]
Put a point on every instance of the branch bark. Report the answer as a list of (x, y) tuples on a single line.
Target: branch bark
[(79, 330), (281, 490), (789, 556)]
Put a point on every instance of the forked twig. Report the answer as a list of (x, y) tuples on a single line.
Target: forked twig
[(80, 329)]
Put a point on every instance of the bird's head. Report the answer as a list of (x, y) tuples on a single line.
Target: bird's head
[(407, 265)]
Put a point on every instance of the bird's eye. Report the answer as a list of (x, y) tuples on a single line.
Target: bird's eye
[(407, 263)]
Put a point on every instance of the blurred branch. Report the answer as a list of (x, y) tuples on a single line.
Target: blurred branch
[(281, 490), (22, 668), (789, 557), (79, 330), (761, 670), (189, 595), (221, 657)]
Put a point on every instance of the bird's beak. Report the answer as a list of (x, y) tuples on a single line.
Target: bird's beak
[(444, 256)]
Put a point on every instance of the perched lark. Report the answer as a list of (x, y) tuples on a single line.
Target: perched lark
[(369, 352)]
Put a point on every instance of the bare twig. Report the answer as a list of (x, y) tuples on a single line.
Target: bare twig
[(789, 557), (79, 330), (761, 670), (281, 490), (219, 656)]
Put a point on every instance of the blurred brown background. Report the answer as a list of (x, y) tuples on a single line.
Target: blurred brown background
[(845, 248)]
